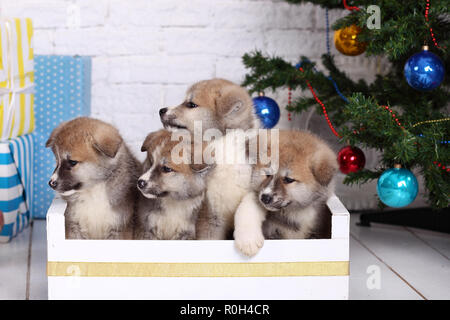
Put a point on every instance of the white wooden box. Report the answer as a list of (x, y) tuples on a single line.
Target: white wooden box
[(197, 269)]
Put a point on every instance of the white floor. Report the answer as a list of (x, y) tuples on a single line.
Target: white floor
[(386, 262)]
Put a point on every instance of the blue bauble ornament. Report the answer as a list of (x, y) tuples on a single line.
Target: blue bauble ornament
[(397, 187), (267, 110), (424, 71)]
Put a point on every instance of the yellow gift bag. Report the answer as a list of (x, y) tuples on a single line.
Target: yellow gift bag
[(16, 78)]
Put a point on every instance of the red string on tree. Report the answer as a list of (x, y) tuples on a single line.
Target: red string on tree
[(349, 7), (427, 11), (351, 159), (394, 116), (323, 106), (440, 165)]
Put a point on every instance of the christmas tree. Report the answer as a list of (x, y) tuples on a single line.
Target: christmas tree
[(409, 126)]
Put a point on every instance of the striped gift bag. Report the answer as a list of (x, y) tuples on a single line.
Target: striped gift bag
[(16, 184), (22, 117), (16, 78)]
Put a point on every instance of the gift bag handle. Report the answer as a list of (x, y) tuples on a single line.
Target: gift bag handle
[(11, 81)]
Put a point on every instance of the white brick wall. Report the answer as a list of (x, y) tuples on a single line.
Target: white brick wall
[(146, 52)]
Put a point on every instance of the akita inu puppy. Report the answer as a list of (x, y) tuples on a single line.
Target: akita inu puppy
[(96, 174), (223, 106), (294, 196), (216, 103), (172, 190)]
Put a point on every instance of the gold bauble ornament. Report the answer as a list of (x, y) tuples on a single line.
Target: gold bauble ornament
[(346, 42)]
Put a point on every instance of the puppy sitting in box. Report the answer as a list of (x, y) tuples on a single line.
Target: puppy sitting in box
[(96, 174), (293, 195), (218, 105), (173, 189)]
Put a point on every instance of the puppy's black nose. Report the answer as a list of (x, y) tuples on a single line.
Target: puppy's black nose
[(266, 198), (162, 111), (53, 184), (141, 183)]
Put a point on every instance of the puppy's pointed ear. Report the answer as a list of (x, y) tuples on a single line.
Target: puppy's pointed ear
[(232, 100), (51, 140), (106, 140), (324, 166), (153, 139), (234, 107)]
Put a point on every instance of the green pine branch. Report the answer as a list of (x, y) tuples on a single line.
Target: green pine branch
[(363, 121)]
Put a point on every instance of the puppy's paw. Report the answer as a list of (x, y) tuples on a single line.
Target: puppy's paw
[(248, 242)]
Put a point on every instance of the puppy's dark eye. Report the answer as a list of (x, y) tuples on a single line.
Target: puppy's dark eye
[(166, 169), (191, 105), (73, 163), (288, 180)]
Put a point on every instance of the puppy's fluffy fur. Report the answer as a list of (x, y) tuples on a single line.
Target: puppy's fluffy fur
[(217, 104), (96, 174), (293, 197), (172, 192)]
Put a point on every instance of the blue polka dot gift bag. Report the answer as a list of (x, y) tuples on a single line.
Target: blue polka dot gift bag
[(62, 92)]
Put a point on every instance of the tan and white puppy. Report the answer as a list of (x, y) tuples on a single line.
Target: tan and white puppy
[(96, 174), (172, 190), (294, 196), (227, 108), (216, 103)]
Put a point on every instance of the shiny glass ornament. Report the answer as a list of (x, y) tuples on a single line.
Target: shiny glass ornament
[(267, 111), (346, 42), (351, 159), (397, 187), (424, 71)]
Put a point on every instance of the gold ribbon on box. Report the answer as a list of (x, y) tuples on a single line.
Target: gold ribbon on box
[(220, 269)]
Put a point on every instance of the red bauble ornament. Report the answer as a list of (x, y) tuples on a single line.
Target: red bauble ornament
[(351, 159)]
